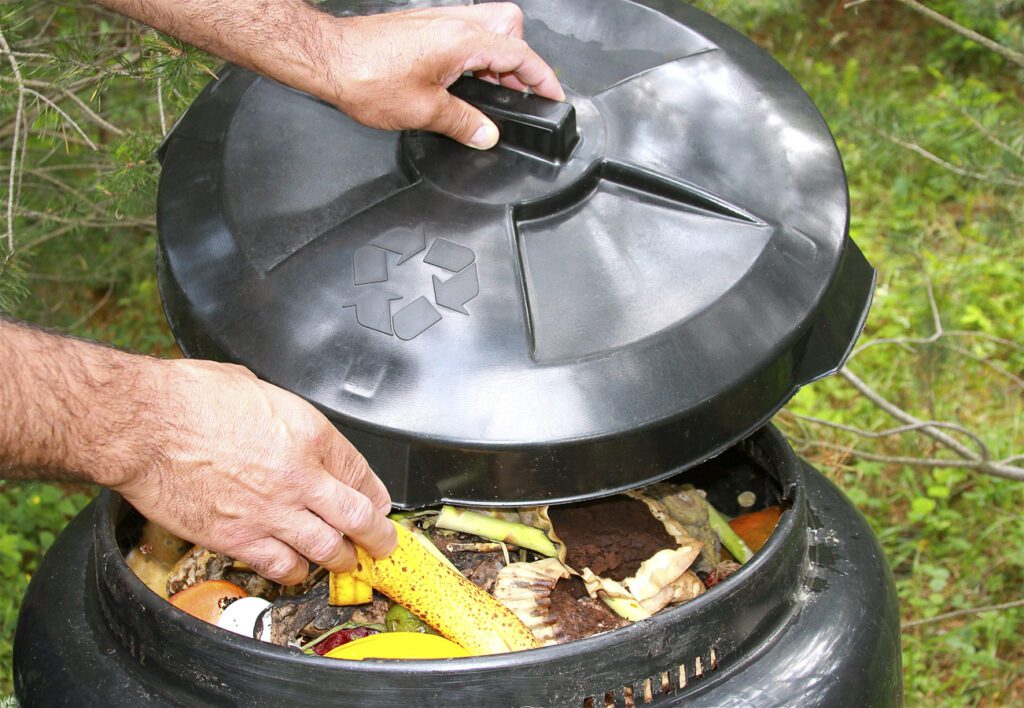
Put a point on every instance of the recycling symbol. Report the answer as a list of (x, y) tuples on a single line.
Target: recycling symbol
[(372, 301)]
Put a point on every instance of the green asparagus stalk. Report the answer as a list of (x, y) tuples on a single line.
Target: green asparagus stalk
[(625, 608), (732, 542), (484, 526)]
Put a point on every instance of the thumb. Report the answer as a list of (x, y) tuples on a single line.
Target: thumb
[(460, 121)]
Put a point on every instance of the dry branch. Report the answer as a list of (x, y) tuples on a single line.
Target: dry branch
[(946, 164), (979, 459), (962, 613), (1000, 49), (1003, 51), (19, 139)]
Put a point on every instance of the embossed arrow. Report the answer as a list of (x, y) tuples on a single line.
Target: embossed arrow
[(373, 308), (459, 289)]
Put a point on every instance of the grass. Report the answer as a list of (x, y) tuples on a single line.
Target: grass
[(946, 239), (886, 79)]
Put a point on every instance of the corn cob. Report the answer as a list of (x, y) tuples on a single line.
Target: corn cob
[(440, 596)]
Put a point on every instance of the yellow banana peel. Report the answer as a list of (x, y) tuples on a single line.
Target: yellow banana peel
[(353, 587), (439, 595)]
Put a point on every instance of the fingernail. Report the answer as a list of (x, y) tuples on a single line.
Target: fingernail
[(485, 137)]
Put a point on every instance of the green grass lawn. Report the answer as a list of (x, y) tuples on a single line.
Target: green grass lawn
[(931, 127)]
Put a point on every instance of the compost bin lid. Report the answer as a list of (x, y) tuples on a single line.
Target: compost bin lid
[(629, 283)]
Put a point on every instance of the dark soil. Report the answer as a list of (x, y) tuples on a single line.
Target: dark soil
[(610, 536)]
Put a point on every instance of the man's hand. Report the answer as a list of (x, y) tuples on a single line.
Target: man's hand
[(253, 471), (206, 450), (397, 67), (388, 71)]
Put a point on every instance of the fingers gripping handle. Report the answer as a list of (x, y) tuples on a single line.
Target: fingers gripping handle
[(527, 122)]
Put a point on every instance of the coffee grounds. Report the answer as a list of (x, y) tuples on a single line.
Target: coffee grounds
[(579, 615), (610, 536)]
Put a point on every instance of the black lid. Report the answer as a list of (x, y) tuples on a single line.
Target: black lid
[(556, 318)]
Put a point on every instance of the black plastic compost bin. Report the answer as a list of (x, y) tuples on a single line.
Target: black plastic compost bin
[(624, 290)]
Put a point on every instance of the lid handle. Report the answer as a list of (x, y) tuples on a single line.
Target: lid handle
[(527, 122)]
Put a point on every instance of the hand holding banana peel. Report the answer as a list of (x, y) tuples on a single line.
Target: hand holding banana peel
[(440, 596)]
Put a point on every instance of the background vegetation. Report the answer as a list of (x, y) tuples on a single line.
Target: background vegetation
[(923, 429)]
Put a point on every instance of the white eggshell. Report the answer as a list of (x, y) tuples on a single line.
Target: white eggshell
[(241, 615)]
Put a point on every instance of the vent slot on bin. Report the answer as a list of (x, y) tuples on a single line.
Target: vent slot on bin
[(657, 688)]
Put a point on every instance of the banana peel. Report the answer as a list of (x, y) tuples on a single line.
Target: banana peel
[(525, 588), (440, 596)]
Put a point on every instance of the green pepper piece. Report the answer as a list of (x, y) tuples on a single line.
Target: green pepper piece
[(399, 619)]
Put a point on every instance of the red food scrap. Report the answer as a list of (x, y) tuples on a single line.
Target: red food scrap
[(343, 636)]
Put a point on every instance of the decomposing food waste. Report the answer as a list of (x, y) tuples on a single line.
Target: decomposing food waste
[(469, 582)]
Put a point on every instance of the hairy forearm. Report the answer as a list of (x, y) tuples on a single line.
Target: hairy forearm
[(284, 39), (205, 450), (389, 71), (70, 409)]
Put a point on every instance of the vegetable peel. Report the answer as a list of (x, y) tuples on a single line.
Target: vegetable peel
[(440, 596)]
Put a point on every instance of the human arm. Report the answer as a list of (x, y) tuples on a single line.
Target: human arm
[(205, 450), (388, 71)]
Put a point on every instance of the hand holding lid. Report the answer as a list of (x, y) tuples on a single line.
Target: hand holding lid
[(527, 122), (391, 70)]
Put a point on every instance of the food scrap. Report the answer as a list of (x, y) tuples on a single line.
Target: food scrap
[(471, 582)]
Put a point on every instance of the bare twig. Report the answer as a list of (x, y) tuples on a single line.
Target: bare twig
[(160, 104), (93, 310), (48, 236), (860, 432), (1010, 376), (93, 116), (1001, 50), (902, 415), (955, 169), (46, 25), (984, 335), (19, 113), (980, 461), (110, 223), (962, 613), (990, 136), (938, 330), (1002, 468)]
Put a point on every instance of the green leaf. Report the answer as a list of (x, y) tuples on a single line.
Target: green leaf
[(921, 507)]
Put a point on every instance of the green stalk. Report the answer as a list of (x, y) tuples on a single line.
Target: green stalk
[(625, 608), (484, 526), (730, 539)]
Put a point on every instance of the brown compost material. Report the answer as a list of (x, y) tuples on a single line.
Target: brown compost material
[(610, 536), (579, 615)]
